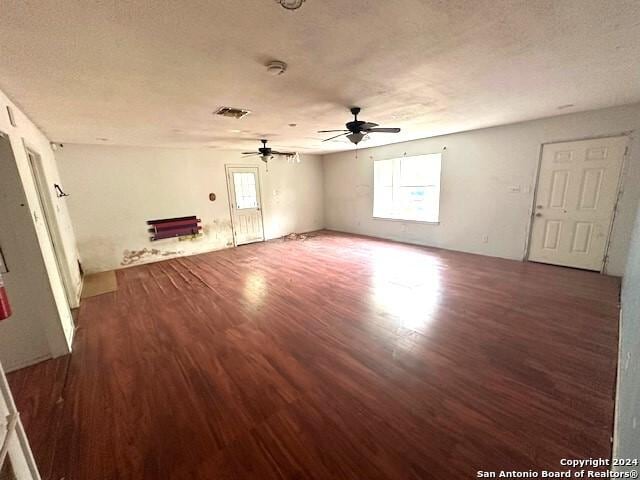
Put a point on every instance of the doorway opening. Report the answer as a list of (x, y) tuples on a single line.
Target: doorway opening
[(245, 203), (575, 202)]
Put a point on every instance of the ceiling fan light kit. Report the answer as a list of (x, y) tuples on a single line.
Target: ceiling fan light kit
[(266, 153), (356, 138), (357, 129)]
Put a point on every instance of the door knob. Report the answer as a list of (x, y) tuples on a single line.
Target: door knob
[(538, 214)]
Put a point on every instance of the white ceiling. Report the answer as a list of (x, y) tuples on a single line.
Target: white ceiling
[(152, 72)]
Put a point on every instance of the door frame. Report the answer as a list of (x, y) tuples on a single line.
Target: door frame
[(40, 183), (534, 198), (230, 196)]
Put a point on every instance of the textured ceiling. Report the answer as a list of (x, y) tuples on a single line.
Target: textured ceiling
[(152, 73)]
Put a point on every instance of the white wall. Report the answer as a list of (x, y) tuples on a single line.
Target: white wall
[(627, 431), (115, 190), (41, 325), (478, 167)]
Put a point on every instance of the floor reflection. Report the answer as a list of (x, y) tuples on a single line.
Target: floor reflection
[(406, 287), (255, 288)]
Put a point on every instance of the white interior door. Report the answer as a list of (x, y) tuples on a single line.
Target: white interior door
[(246, 208), (575, 202), (47, 209)]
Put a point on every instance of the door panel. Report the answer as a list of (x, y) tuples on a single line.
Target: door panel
[(552, 234), (591, 188), (245, 204), (558, 193), (575, 200)]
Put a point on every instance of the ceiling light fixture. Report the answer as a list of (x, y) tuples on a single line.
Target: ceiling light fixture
[(291, 4), (356, 137), (276, 67)]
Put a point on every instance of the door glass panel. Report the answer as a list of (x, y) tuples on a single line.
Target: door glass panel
[(244, 185)]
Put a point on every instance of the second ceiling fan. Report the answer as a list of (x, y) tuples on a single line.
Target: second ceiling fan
[(266, 153), (357, 129)]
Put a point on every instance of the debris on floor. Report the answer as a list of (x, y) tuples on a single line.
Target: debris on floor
[(295, 236)]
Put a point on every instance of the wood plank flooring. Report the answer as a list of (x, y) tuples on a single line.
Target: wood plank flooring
[(337, 357)]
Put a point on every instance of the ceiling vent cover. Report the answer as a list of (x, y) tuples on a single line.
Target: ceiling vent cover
[(232, 112)]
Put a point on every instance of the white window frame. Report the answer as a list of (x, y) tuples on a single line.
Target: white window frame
[(395, 186)]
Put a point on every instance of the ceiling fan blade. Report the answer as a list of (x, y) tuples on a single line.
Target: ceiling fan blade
[(342, 134), (250, 154), (368, 125), (383, 130), (288, 154), (329, 131)]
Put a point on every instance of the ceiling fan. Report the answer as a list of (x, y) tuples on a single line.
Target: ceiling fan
[(266, 153), (358, 129)]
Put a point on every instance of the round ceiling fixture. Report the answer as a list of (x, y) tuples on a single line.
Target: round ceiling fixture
[(291, 4), (276, 67)]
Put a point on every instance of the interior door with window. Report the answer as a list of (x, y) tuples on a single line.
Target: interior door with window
[(246, 208), (575, 201)]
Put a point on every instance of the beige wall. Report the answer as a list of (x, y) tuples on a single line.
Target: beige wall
[(115, 190), (41, 325), (479, 167)]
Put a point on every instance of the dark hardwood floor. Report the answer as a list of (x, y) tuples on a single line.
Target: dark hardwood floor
[(337, 357)]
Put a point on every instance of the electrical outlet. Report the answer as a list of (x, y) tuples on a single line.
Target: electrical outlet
[(485, 238)]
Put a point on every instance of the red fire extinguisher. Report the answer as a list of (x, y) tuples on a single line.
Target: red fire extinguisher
[(5, 308)]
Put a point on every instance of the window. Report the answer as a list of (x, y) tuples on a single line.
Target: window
[(244, 185), (407, 188)]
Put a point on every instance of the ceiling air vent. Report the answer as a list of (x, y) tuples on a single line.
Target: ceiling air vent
[(232, 112)]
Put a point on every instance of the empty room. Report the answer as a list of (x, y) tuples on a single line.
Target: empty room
[(319, 239)]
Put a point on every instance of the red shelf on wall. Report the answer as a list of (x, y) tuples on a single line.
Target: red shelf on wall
[(174, 227)]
